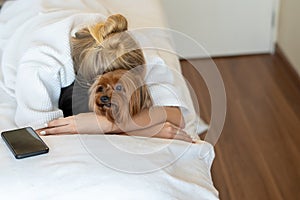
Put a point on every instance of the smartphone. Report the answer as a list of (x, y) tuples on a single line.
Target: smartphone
[(24, 142)]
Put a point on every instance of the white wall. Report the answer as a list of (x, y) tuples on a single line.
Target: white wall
[(223, 27), (288, 37)]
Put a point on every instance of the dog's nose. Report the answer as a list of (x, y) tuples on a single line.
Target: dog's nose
[(104, 99)]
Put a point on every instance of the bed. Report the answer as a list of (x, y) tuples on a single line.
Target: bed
[(124, 167)]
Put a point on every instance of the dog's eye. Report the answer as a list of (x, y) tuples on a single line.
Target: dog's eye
[(100, 89), (119, 87)]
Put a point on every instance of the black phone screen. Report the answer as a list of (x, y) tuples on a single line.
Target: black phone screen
[(24, 142)]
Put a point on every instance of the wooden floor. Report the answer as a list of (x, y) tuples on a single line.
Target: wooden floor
[(258, 152)]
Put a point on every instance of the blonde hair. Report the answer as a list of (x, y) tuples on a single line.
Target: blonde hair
[(105, 47)]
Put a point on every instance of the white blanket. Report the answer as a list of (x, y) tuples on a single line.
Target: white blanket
[(98, 167)]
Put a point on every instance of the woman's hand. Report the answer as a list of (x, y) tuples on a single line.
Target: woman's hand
[(84, 123), (163, 122), (59, 126), (165, 130)]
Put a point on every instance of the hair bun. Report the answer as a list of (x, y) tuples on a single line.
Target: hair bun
[(114, 24)]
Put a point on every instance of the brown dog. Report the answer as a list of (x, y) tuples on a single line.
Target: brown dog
[(119, 95)]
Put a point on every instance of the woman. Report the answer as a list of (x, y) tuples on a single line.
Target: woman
[(44, 66), (117, 50)]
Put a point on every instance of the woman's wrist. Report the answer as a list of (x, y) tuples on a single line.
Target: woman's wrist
[(159, 114), (150, 117), (93, 124)]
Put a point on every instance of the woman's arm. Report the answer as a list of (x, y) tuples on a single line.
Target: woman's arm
[(150, 117), (83, 123), (38, 82), (167, 125), (96, 124), (164, 130)]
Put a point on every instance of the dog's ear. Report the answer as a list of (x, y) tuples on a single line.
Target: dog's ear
[(110, 115), (146, 99), (92, 94), (119, 111), (139, 100)]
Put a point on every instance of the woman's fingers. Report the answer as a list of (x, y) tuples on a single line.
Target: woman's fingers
[(184, 137), (171, 131), (61, 122), (84, 123), (65, 129), (60, 126), (179, 134)]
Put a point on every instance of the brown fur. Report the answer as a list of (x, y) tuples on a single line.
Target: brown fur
[(132, 99)]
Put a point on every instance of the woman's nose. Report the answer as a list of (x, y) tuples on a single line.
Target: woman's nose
[(104, 99)]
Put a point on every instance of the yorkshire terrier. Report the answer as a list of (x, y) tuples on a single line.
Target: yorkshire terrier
[(119, 95)]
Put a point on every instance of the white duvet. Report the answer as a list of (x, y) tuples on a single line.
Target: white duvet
[(108, 166)]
